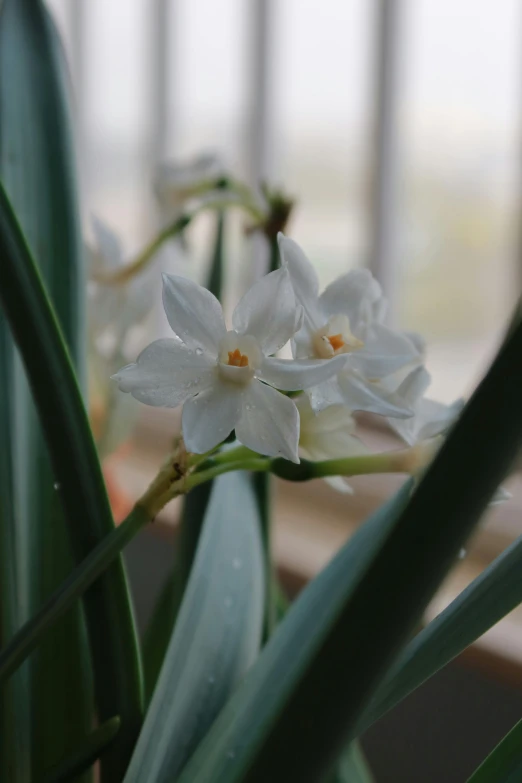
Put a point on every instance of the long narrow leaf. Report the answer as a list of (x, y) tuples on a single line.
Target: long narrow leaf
[(15, 724), (85, 755), (224, 753), (167, 607), (64, 597), (82, 490), (217, 262), (353, 645), (504, 763), (36, 166), (352, 767), (217, 636), (404, 575), (485, 601), (159, 631)]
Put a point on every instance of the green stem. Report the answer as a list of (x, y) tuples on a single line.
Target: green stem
[(274, 255), (125, 273), (400, 461), (386, 462), (128, 271), (235, 455), (100, 558), (26, 639), (256, 464)]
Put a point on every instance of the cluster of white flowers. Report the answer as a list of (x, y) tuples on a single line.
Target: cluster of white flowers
[(345, 359)]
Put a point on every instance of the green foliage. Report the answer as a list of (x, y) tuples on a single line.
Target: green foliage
[(504, 763), (82, 490), (248, 717), (162, 623), (36, 166), (85, 754), (216, 637), (486, 600), (220, 709)]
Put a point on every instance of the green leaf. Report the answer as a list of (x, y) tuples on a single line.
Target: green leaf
[(160, 628), (352, 767), (85, 755), (15, 726), (159, 631), (36, 166), (485, 601), (215, 277), (216, 638), (82, 491), (72, 588), (263, 491), (504, 763), (248, 715), (372, 609)]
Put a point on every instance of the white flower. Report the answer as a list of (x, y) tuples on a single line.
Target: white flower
[(346, 319), (114, 312), (430, 418), (222, 376), (177, 181), (328, 434), (115, 307)]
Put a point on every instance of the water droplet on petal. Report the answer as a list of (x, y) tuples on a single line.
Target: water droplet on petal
[(237, 563), (462, 554), (199, 352)]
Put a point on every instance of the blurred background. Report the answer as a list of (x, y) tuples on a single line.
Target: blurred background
[(395, 123), (397, 126)]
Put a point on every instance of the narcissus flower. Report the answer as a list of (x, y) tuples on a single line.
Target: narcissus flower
[(328, 434), (430, 418), (177, 181), (115, 307), (346, 319), (225, 378)]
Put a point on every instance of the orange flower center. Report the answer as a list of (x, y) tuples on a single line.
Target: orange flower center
[(336, 341), (237, 359)]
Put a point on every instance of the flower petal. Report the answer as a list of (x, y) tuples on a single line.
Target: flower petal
[(360, 395), (268, 311), (194, 314), (211, 416), (166, 373), (430, 419), (304, 278), (326, 394), (299, 374), (356, 294), (269, 422), (384, 352)]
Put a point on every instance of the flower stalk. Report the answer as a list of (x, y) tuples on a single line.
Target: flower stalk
[(234, 194)]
